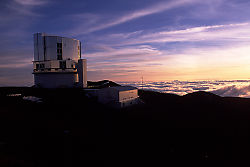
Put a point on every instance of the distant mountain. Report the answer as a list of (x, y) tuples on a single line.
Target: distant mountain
[(201, 94)]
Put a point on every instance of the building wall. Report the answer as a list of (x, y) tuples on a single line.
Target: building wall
[(51, 70), (118, 98), (128, 95), (38, 47), (82, 72), (55, 80), (117, 104), (56, 64), (70, 49), (128, 103), (51, 47), (107, 95), (45, 47)]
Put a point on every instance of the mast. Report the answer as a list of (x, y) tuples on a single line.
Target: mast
[(142, 82)]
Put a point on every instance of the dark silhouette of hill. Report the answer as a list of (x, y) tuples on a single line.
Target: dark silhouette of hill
[(69, 129), (201, 94), (102, 84)]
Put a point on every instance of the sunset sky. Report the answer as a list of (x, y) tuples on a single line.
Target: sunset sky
[(126, 39)]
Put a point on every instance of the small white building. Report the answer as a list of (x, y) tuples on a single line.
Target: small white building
[(57, 62), (119, 96)]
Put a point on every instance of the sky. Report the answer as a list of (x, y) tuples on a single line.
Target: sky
[(122, 40)]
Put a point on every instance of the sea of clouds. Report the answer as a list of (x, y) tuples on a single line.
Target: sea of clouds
[(235, 88)]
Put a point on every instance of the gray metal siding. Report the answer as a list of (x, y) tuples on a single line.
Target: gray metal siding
[(82, 71), (43, 42), (70, 48), (51, 47), (51, 80), (48, 74), (38, 47)]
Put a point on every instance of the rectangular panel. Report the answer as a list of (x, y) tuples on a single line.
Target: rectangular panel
[(38, 47), (36, 58), (51, 48), (54, 64), (70, 49)]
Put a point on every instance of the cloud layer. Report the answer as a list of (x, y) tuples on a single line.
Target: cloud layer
[(226, 88)]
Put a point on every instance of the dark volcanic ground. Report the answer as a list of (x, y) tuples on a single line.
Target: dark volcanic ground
[(69, 129)]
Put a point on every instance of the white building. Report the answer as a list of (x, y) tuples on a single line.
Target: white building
[(57, 62), (119, 96)]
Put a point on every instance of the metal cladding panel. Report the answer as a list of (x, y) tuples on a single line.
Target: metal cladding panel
[(51, 47), (85, 73), (107, 95), (45, 53), (128, 95), (82, 72), (45, 47), (70, 48), (35, 48), (54, 64), (70, 63), (47, 64), (55, 80), (38, 47)]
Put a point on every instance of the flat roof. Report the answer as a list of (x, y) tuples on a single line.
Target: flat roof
[(123, 88)]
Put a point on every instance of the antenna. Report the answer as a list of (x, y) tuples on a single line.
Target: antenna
[(142, 82)]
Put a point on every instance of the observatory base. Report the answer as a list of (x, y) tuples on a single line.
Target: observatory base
[(56, 80)]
